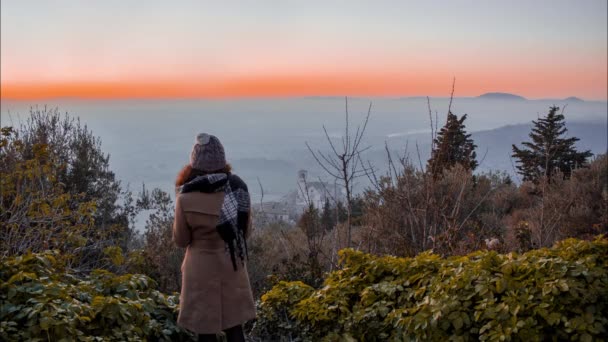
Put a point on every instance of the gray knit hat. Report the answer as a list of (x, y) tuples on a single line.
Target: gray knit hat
[(207, 153)]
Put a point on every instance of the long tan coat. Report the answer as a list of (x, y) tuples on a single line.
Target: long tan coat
[(214, 297)]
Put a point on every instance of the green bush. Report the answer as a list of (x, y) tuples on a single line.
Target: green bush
[(43, 301), (559, 293)]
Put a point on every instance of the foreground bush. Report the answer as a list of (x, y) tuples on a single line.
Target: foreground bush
[(559, 293), (43, 301)]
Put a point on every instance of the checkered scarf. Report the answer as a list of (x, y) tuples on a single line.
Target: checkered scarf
[(234, 215)]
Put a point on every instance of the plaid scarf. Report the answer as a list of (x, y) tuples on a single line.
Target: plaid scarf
[(234, 215)]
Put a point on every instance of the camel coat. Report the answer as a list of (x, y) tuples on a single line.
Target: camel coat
[(214, 296)]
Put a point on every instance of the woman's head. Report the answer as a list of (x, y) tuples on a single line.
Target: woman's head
[(207, 153), (207, 157)]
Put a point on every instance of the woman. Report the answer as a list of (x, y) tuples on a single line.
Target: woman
[(212, 221)]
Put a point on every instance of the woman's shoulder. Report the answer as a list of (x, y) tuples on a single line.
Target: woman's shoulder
[(237, 182)]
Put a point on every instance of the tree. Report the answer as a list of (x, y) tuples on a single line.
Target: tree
[(310, 222), (342, 212), (58, 192), (80, 165), (344, 163), (328, 217), (162, 261), (311, 225), (452, 146), (549, 151), (36, 211)]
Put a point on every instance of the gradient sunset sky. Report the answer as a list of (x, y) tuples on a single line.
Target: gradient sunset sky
[(192, 49)]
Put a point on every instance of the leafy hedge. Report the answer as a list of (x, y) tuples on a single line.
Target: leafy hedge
[(559, 293), (42, 301)]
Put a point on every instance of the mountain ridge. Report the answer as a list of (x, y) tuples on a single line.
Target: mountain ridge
[(501, 96)]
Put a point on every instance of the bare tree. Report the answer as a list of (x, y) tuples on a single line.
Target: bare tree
[(343, 163)]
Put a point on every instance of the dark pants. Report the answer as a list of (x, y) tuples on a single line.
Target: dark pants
[(234, 334)]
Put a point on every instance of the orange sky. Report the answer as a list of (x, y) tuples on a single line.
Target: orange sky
[(531, 84), (536, 49)]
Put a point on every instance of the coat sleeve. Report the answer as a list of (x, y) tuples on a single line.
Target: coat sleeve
[(181, 232)]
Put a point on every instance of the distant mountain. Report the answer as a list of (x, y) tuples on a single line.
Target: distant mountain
[(501, 96), (573, 99)]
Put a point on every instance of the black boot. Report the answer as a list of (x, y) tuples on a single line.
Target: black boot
[(235, 334), (207, 338)]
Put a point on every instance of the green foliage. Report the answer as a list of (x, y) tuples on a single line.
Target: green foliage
[(162, 260), (36, 213), (43, 301), (79, 162), (57, 192), (277, 320), (549, 151), (559, 293)]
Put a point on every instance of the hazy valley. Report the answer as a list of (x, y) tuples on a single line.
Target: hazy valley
[(149, 140)]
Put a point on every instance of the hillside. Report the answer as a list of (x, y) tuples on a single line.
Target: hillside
[(573, 99)]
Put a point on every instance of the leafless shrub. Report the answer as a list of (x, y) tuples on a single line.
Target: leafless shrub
[(344, 163), (560, 208)]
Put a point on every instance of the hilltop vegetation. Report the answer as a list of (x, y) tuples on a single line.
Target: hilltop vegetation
[(73, 266), (558, 293), (43, 300)]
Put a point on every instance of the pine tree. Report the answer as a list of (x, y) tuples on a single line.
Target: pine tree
[(342, 212), (310, 222), (328, 217), (452, 146), (549, 151)]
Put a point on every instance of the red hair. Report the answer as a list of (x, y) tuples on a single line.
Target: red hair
[(187, 173)]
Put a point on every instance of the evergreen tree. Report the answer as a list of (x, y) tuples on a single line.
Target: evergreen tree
[(549, 151), (328, 217), (310, 222), (342, 213), (452, 146), (85, 167)]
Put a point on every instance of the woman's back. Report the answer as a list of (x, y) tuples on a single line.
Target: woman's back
[(201, 212), (211, 222)]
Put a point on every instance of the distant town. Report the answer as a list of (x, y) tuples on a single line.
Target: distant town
[(306, 192)]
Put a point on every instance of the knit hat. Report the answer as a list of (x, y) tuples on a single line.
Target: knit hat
[(207, 153)]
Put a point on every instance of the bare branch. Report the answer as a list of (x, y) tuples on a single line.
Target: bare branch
[(360, 136), (319, 162), (484, 157), (428, 103), (452, 95), (262, 197), (329, 141), (345, 165), (419, 157)]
